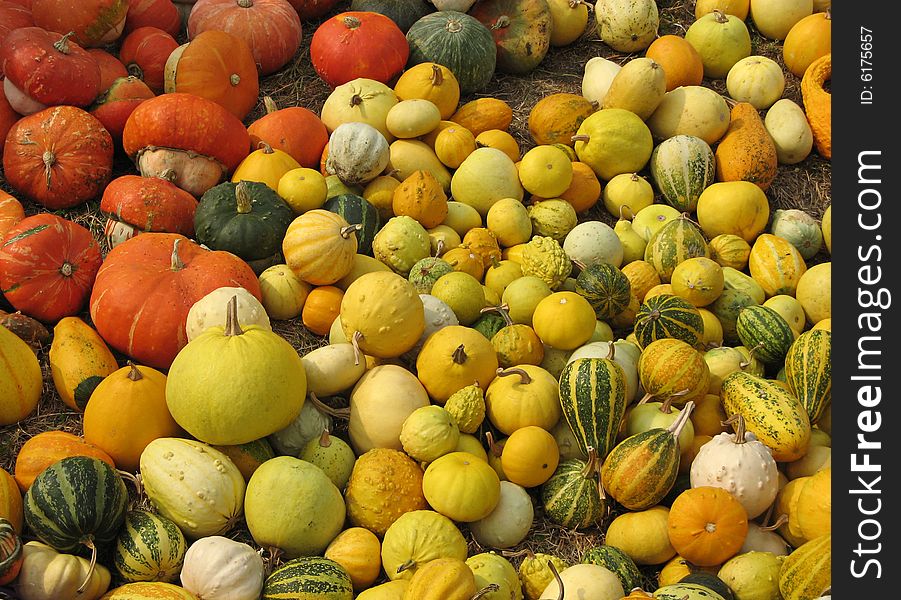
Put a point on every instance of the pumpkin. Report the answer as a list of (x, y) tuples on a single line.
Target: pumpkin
[(46, 574), (587, 581), (682, 65), (775, 19), (416, 538), (218, 66), (449, 578), (384, 484), (746, 152), (11, 210), (428, 433), (521, 31), (10, 508), (814, 292), (13, 16), (627, 26), (220, 568), (111, 68), (47, 266), (564, 320), (149, 548), (569, 21), (383, 312), (452, 358), (818, 103), (59, 157), (113, 106), (94, 23), (266, 165), (642, 535), (458, 41), (707, 525), (210, 143), (735, 207), (319, 246), (816, 32), (124, 284), (144, 52), (404, 13), (752, 573), (613, 141), (721, 40), (433, 82), (358, 551), (358, 44), (49, 447), (136, 204), (461, 487), (283, 293), (270, 28), (360, 100), (421, 197), (152, 13), (11, 557), (312, 9), (358, 152), (496, 578), (295, 130)]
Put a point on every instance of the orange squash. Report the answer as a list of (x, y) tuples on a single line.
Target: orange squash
[(818, 103), (10, 501), (322, 307), (11, 212), (483, 114), (319, 246), (556, 118), (48, 447), (746, 152), (421, 197), (584, 190), (681, 63), (707, 525), (530, 456), (807, 40)]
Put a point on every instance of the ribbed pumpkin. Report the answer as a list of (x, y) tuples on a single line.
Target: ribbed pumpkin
[(707, 525), (418, 537), (144, 52), (668, 316), (593, 399), (572, 495), (136, 204), (319, 246), (454, 357), (310, 576), (149, 548), (671, 368)]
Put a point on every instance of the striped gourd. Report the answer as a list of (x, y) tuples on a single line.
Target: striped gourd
[(593, 399), (668, 316), (770, 412), (606, 288), (764, 332), (149, 590), (642, 468), (807, 572), (10, 552), (76, 501), (357, 210), (617, 561), (308, 578), (678, 240), (808, 370), (776, 265), (726, 309), (682, 166), (686, 591), (149, 548), (571, 496), (671, 368)]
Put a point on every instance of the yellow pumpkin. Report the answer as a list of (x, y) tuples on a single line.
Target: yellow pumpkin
[(421, 197), (418, 537), (569, 19), (556, 117), (721, 40), (643, 535), (461, 487), (564, 320), (442, 579), (21, 381), (737, 207), (433, 82), (483, 114), (319, 246), (526, 395), (284, 293), (807, 40), (266, 165), (412, 118), (303, 189), (699, 280), (530, 456), (383, 312), (814, 292), (454, 357), (545, 171), (500, 139)]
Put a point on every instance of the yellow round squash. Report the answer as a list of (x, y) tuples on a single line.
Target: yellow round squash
[(383, 313)]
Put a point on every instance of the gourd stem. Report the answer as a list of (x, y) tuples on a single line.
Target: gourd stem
[(346, 231), (582, 266), (720, 16), (828, 13), (524, 378), (511, 554), (234, 79), (338, 413), (355, 342), (560, 594), (325, 440), (678, 394), (491, 587), (437, 77), (453, 26), (439, 248), (62, 44), (611, 351), (169, 175), (502, 310), (134, 374), (647, 396), (667, 406), (679, 423), (134, 479), (176, 264), (580, 138), (355, 100), (242, 197), (493, 446), (738, 424), (67, 269), (459, 355), (651, 316), (267, 149), (351, 22), (269, 104), (782, 520), (89, 542), (591, 466), (232, 327), (49, 159), (408, 564), (502, 21), (245, 3), (135, 70), (621, 207)]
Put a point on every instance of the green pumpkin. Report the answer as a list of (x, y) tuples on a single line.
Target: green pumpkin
[(403, 12), (309, 578), (246, 218), (571, 497), (668, 316), (606, 288), (357, 210), (149, 548), (232, 385)]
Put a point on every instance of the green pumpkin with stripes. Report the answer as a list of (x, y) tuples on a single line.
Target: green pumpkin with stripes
[(593, 401), (678, 240), (308, 578), (614, 559), (765, 332), (572, 496), (356, 210), (808, 371), (668, 316), (77, 501), (149, 548), (606, 288)]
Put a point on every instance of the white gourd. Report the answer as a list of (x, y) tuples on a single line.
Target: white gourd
[(740, 464), (219, 568), (509, 522), (47, 574), (357, 153), (210, 311), (585, 582), (597, 77), (308, 425), (437, 316), (764, 539), (625, 354), (334, 368)]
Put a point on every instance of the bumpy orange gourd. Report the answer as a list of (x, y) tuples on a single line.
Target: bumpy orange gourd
[(421, 196), (746, 152), (818, 103)]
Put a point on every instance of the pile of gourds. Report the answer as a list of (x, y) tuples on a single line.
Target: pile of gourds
[(499, 356)]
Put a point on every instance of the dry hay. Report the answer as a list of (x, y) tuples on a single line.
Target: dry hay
[(806, 186)]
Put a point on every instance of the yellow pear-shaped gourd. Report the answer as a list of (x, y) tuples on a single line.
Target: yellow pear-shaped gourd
[(20, 378), (79, 360), (232, 385)]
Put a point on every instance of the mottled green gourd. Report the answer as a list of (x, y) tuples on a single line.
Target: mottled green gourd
[(149, 547), (356, 210), (426, 271), (765, 332), (617, 561), (309, 577), (572, 496), (489, 324), (606, 288), (676, 241), (668, 316), (467, 407)]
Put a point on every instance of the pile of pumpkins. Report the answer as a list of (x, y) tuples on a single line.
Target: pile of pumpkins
[(497, 356)]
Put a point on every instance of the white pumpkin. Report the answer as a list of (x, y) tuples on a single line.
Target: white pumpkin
[(210, 311), (593, 243), (597, 77), (334, 368), (764, 539), (627, 25), (585, 582), (756, 79), (509, 522), (357, 153), (359, 100), (308, 425), (47, 574), (219, 568), (740, 464)]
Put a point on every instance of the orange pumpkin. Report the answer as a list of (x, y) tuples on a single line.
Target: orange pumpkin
[(681, 63), (11, 212), (48, 447), (217, 66), (144, 52), (483, 114), (111, 68), (584, 190), (95, 23), (162, 14), (294, 129), (322, 307), (10, 501), (707, 525)]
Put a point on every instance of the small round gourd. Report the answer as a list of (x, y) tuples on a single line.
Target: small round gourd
[(412, 118), (47, 574), (721, 40), (454, 357), (707, 525), (564, 320), (429, 433), (592, 243), (384, 312), (418, 537), (691, 110), (545, 171), (149, 548), (642, 535), (509, 522), (211, 310), (530, 456), (358, 551), (587, 581), (757, 80), (383, 485), (461, 487), (522, 396), (626, 194), (220, 568), (284, 293), (331, 454)]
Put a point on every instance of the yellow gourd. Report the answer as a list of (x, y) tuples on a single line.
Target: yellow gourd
[(20, 378), (454, 357), (433, 82), (383, 312), (79, 360), (266, 165)]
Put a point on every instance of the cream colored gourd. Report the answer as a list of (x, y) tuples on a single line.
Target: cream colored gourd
[(176, 472), (492, 568), (757, 80), (437, 315), (308, 425), (588, 581), (764, 539), (360, 100), (410, 155), (357, 153), (509, 522), (775, 18), (627, 25), (741, 465), (626, 194), (597, 77), (484, 177), (625, 354), (219, 568), (375, 423), (47, 574), (210, 311), (691, 110), (787, 124), (412, 118), (638, 87), (384, 312), (334, 368), (593, 243), (753, 574)]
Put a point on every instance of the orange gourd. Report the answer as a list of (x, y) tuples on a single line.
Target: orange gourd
[(48, 447), (707, 525), (746, 152), (127, 411), (681, 63), (322, 307), (10, 501), (557, 117), (818, 103), (584, 190), (483, 114), (530, 456), (11, 212), (807, 40), (421, 197)]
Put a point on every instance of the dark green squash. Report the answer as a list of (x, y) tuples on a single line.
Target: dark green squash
[(357, 210), (614, 559), (247, 219), (521, 30), (308, 577), (606, 288), (572, 496), (457, 41), (668, 316), (766, 333), (711, 582), (403, 12)]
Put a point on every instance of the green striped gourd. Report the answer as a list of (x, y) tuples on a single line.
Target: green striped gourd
[(642, 468), (808, 370), (765, 332), (593, 399), (770, 412), (726, 309), (605, 287), (686, 591), (149, 548), (149, 590), (709, 581), (678, 240), (571, 496), (10, 552), (617, 561), (76, 501), (668, 316), (357, 210), (807, 572), (682, 166), (671, 368), (308, 578)]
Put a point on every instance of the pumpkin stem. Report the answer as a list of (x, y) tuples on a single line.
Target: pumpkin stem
[(351, 22), (502, 21), (133, 479), (828, 13), (89, 542), (611, 351), (524, 378), (409, 564), (651, 316), (491, 587), (493, 446), (502, 310), (782, 520), (169, 175), (678, 394), (67, 269), (667, 406), (511, 554), (325, 440), (437, 77), (720, 16), (356, 100), (242, 196), (135, 70), (453, 26), (679, 423), (234, 79), (580, 138), (49, 159), (346, 231), (439, 248), (62, 45), (134, 374), (232, 327), (267, 149), (459, 354), (622, 206), (592, 465), (338, 413), (245, 3), (560, 594), (355, 342), (269, 104), (176, 264), (738, 425)]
